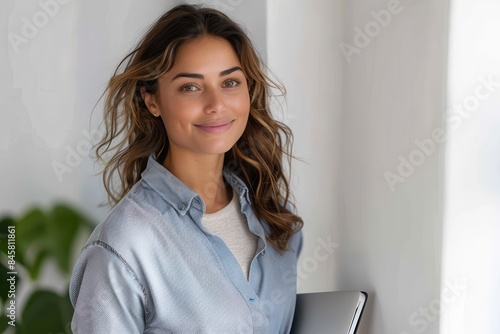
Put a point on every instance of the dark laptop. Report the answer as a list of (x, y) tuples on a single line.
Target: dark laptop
[(336, 312)]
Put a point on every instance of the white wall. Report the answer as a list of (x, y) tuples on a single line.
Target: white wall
[(38, 99), (394, 95), (302, 52), (354, 116)]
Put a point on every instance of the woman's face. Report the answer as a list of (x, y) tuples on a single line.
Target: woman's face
[(203, 99)]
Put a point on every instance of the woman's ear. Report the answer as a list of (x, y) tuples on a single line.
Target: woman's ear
[(150, 102)]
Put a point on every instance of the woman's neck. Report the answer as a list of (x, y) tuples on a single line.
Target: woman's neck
[(203, 174)]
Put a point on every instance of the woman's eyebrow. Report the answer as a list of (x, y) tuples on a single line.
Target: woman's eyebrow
[(200, 76), (229, 71)]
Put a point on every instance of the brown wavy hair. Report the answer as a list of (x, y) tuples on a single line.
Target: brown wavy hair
[(132, 133)]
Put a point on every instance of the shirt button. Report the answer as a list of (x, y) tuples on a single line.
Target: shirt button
[(181, 206), (251, 299)]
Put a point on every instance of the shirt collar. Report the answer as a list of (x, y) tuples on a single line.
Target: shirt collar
[(176, 193), (237, 184)]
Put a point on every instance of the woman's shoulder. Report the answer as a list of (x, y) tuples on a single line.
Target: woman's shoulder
[(131, 219)]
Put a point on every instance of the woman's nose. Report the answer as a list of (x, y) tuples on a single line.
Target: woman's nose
[(214, 101)]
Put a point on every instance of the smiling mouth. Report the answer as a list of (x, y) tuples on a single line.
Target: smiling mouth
[(216, 126)]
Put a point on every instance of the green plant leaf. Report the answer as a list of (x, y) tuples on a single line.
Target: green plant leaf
[(40, 236), (67, 310), (35, 267), (31, 234), (63, 225), (4, 322), (5, 222), (3, 278), (46, 312)]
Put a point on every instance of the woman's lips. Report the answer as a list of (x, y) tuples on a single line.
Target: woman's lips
[(218, 126)]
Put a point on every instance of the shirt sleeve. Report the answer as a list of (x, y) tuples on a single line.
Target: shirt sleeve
[(105, 293), (301, 242)]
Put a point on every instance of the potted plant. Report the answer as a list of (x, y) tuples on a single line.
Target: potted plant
[(26, 243)]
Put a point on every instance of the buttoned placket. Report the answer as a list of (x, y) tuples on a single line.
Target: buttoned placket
[(247, 288)]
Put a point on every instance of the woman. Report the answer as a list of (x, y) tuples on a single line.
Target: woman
[(201, 238)]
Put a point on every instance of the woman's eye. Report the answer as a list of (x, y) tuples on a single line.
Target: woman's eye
[(189, 88), (231, 83)]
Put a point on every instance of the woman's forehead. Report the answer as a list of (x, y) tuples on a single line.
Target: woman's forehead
[(206, 56)]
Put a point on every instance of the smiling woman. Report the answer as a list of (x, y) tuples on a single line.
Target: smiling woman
[(201, 238), (204, 111)]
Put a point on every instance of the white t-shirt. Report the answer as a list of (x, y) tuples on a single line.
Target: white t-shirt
[(230, 224)]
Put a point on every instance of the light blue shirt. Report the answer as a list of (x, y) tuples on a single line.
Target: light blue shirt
[(151, 267)]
